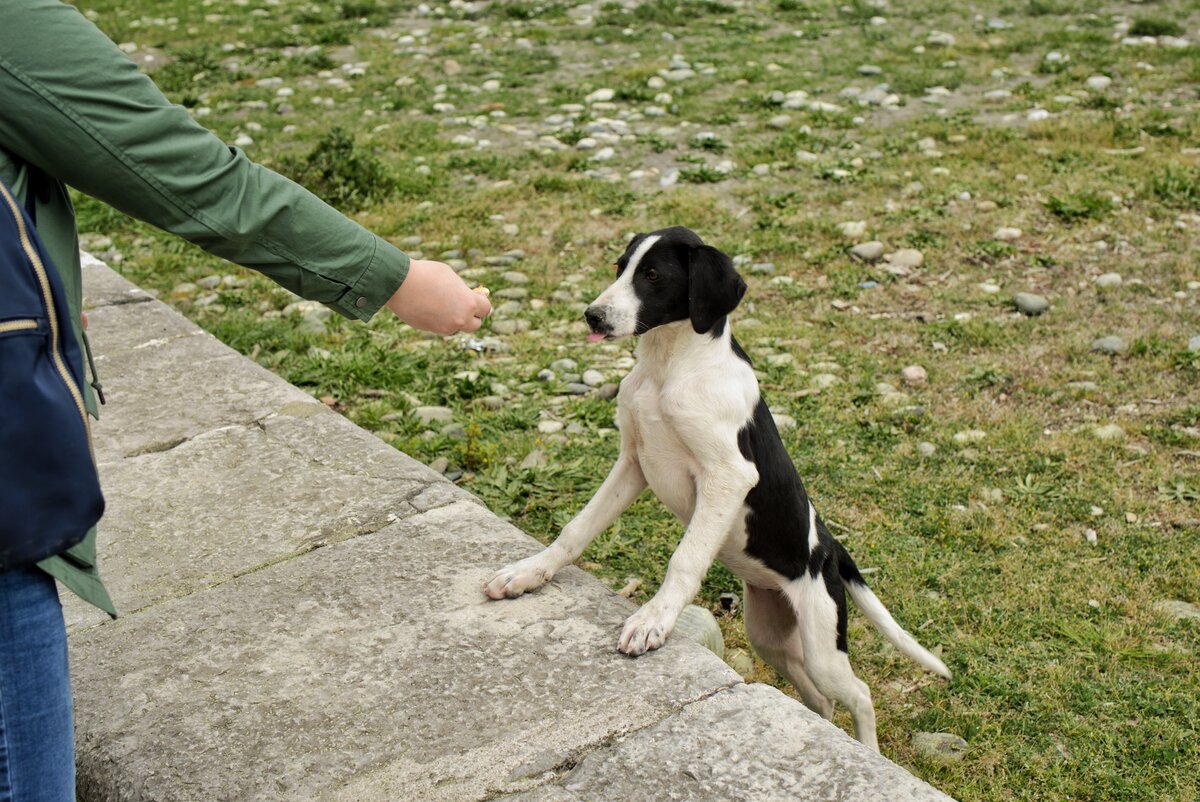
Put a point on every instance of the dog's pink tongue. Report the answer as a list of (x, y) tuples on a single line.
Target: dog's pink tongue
[(595, 338)]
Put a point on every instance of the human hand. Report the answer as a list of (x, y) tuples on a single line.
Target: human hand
[(435, 299)]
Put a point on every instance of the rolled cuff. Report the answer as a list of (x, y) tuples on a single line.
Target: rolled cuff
[(375, 285)]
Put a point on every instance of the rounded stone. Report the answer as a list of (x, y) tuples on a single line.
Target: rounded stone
[(434, 414), (926, 449), (969, 436), (1194, 343), (740, 661), (941, 747), (906, 258), (550, 427), (593, 378), (1106, 280), (868, 251), (697, 624), (1109, 431), (1007, 234), (1030, 304), (1098, 83), (914, 376), (823, 381), (1112, 345)]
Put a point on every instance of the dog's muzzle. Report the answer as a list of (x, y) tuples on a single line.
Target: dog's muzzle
[(598, 323)]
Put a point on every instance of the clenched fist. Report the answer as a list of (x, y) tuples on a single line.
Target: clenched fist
[(434, 298)]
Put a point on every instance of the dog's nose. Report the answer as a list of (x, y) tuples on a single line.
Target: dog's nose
[(595, 318)]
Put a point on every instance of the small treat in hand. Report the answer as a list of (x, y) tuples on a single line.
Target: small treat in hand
[(482, 290)]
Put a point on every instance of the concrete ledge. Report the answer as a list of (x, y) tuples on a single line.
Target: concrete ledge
[(304, 620)]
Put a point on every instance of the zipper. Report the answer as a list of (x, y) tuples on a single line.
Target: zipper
[(51, 314), (17, 325)]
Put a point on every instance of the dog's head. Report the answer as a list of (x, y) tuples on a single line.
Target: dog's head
[(663, 277)]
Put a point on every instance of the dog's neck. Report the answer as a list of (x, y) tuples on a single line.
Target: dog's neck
[(675, 342)]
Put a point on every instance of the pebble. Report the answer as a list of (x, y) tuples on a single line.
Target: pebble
[(969, 436), (550, 427), (989, 288), (434, 414), (534, 459), (914, 376), (576, 388), (868, 251), (854, 229), (439, 465), (1098, 83), (740, 661), (1007, 234), (783, 422), (763, 268), (1029, 304), (564, 365), (941, 747), (1109, 431), (609, 391), (1107, 280), (1177, 608), (926, 449), (940, 39), (1112, 345), (1194, 343), (593, 378), (698, 624), (510, 326), (904, 260), (869, 69), (823, 381)]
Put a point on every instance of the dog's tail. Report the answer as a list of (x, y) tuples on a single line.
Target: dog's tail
[(878, 615)]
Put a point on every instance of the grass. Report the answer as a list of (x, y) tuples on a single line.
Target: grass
[(1069, 683)]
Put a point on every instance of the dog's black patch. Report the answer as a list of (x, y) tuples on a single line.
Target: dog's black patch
[(777, 524)]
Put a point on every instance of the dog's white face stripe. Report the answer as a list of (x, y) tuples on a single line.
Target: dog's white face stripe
[(619, 302)]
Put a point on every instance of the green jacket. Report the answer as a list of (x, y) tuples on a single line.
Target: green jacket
[(76, 108)]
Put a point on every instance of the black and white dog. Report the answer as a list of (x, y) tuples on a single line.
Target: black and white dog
[(695, 428)]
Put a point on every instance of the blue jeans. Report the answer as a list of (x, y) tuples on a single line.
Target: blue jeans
[(37, 738)]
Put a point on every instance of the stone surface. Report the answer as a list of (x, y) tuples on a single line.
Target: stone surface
[(686, 754), (1177, 608), (135, 341), (374, 669)]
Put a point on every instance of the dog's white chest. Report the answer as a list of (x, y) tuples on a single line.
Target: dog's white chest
[(668, 464)]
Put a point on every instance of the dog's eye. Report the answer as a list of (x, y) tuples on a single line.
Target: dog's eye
[(652, 274)]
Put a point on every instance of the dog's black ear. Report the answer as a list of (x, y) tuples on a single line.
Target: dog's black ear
[(714, 287)]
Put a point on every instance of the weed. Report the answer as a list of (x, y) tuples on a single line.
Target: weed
[(342, 174), (1155, 26), (1079, 206), (1177, 187)]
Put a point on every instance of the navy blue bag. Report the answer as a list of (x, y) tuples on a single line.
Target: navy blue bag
[(49, 490)]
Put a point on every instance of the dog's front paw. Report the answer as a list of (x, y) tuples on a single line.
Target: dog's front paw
[(520, 577), (646, 629)]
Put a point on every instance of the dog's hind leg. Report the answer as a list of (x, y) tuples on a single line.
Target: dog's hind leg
[(625, 483), (774, 633), (827, 664)]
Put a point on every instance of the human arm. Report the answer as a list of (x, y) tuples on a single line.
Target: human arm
[(89, 118)]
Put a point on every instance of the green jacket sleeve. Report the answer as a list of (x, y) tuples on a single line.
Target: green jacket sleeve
[(74, 105)]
